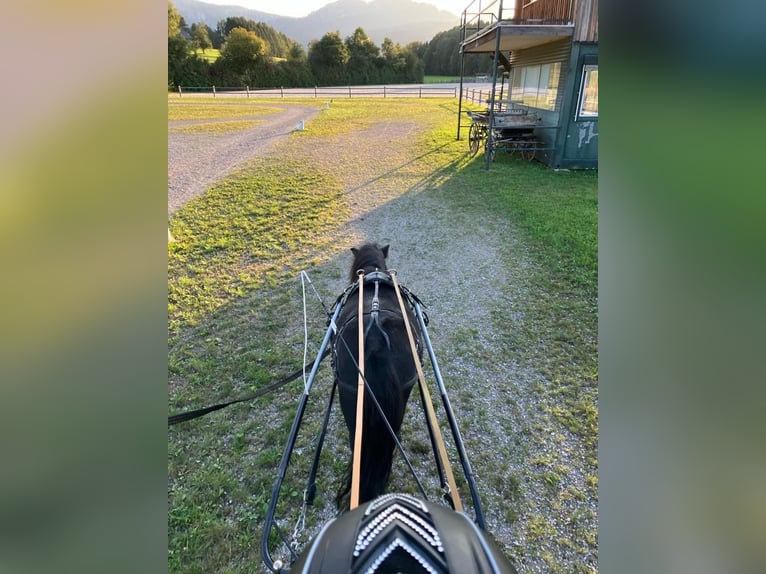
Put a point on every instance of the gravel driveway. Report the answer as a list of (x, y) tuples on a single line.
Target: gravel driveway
[(196, 162), (448, 256)]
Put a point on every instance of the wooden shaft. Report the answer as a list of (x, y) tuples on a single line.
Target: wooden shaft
[(427, 401), (357, 460)]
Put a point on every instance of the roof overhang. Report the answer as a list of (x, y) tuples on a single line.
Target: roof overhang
[(515, 37)]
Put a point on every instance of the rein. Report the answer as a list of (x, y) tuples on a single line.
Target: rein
[(357, 460), (390, 279), (189, 415), (457, 505)]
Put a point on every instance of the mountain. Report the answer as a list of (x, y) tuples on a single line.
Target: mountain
[(195, 11), (403, 21)]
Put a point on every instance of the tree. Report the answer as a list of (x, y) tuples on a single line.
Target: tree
[(327, 59), (296, 53), (174, 21), (295, 70), (362, 54), (200, 37), (215, 37), (414, 65), (388, 49), (243, 53), (227, 25), (394, 62), (278, 44), (441, 56), (184, 68)]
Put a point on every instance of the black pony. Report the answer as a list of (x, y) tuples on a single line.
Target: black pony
[(389, 370)]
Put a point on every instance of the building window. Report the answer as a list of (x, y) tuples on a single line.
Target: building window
[(536, 86), (588, 107)]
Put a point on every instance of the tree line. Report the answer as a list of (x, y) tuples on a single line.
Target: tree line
[(255, 54)]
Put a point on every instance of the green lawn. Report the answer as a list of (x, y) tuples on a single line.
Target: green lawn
[(187, 108), (231, 291)]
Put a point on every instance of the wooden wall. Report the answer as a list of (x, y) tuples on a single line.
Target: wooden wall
[(544, 9), (585, 15), (586, 18)]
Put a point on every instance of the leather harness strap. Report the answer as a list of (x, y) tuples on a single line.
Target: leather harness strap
[(357, 460), (457, 505)]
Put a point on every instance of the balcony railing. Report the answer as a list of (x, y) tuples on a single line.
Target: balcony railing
[(481, 14)]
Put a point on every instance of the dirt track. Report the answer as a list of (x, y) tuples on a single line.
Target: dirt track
[(195, 161)]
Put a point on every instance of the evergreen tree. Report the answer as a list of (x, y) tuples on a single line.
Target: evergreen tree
[(362, 66)]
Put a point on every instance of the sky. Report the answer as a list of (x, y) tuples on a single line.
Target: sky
[(300, 8)]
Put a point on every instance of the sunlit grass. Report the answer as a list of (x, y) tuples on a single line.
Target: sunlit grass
[(345, 115), (210, 54), (239, 234), (183, 109)]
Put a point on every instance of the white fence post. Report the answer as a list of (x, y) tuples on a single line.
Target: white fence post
[(213, 91), (180, 94)]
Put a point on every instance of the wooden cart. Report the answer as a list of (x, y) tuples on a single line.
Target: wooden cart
[(512, 130)]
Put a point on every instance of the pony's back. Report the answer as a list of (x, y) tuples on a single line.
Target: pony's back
[(389, 370)]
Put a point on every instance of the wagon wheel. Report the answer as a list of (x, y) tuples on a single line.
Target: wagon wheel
[(528, 151), (474, 138)]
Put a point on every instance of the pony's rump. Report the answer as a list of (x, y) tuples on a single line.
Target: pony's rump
[(390, 370)]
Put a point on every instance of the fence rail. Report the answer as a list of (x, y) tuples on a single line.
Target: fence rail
[(474, 95), (417, 91)]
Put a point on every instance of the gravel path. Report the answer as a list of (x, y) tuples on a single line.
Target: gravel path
[(196, 162), (448, 256)]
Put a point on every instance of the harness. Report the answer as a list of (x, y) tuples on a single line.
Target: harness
[(375, 279)]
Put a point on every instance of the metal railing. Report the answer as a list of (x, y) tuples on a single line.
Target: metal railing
[(483, 96), (478, 16)]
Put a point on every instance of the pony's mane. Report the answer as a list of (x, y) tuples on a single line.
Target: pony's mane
[(369, 257)]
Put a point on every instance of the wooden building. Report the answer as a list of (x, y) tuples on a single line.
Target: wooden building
[(548, 51)]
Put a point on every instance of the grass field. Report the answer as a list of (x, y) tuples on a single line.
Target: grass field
[(210, 54), (231, 289), (214, 117), (440, 79)]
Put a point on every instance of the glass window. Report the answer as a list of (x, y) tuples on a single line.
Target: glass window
[(536, 86), (588, 107)]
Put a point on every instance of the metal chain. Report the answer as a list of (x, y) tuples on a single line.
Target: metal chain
[(300, 524)]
